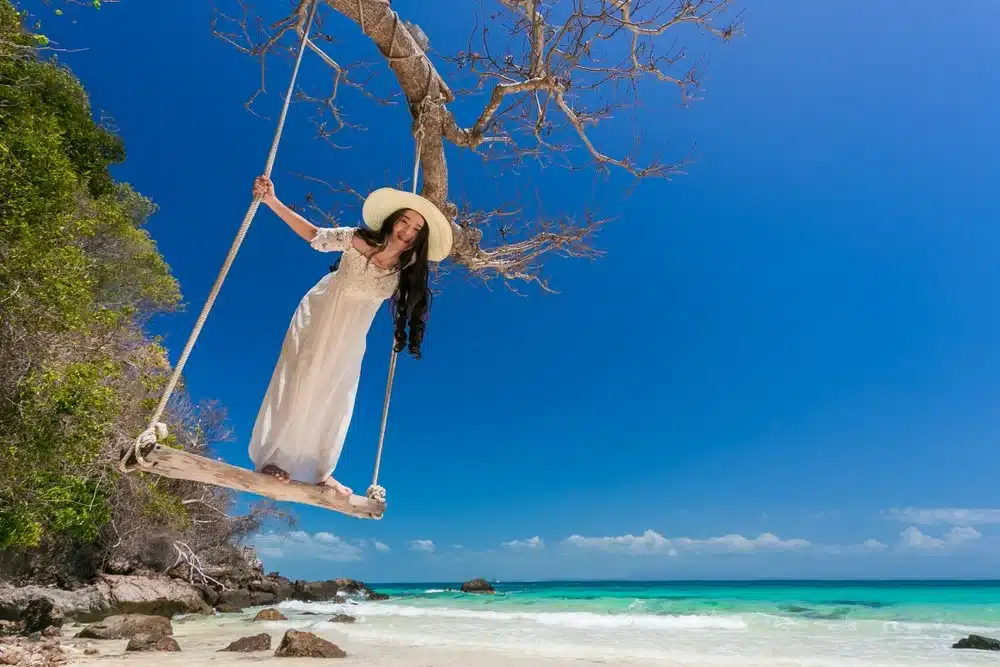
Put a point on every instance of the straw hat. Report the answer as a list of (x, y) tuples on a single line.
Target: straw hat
[(383, 202)]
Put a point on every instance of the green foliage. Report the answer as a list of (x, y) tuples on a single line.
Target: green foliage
[(78, 274)]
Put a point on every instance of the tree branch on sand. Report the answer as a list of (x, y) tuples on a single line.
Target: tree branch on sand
[(545, 73)]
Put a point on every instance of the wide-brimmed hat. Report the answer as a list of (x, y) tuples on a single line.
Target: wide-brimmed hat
[(381, 203)]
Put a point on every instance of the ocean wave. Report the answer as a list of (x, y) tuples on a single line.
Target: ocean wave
[(575, 619)]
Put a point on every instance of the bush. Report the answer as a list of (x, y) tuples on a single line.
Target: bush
[(79, 375)]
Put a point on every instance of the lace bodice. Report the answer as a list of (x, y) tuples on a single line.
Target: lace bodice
[(355, 275)]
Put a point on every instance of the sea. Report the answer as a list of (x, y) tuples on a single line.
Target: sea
[(807, 623)]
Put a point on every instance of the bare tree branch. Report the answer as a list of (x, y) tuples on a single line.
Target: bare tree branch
[(549, 73)]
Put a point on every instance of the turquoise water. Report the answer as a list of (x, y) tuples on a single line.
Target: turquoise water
[(960, 603), (682, 624)]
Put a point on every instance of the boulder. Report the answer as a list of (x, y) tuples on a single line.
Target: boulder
[(478, 586), (110, 595), (978, 642), (239, 597), (343, 618), (261, 642), (226, 608), (143, 642), (131, 594), (372, 596), (209, 595), (324, 591), (91, 603), (269, 615), (39, 614), (297, 644), (127, 626)]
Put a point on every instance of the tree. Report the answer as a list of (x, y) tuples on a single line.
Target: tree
[(546, 73), (79, 276)]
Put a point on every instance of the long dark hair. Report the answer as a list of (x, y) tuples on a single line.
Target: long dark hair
[(411, 303)]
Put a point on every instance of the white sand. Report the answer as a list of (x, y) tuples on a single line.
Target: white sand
[(201, 640)]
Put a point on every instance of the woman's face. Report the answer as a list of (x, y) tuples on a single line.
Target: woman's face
[(407, 227)]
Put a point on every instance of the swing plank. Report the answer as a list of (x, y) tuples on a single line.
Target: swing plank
[(178, 464)]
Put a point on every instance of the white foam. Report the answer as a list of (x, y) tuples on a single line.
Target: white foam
[(577, 619)]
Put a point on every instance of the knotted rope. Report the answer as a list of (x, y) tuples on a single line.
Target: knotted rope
[(376, 492)]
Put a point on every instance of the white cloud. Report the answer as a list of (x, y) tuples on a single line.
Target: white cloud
[(913, 538), (532, 543), (299, 544), (951, 516), (652, 542), (874, 545), (962, 534), (426, 546), (377, 545)]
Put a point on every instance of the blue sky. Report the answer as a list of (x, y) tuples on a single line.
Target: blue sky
[(790, 341)]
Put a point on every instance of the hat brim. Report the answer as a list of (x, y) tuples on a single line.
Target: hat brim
[(383, 202)]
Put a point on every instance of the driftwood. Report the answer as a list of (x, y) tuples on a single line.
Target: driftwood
[(178, 464)]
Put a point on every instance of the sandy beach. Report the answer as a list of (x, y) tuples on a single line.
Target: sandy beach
[(200, 641)]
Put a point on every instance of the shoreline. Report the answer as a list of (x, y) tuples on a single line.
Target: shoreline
[(545, 626)]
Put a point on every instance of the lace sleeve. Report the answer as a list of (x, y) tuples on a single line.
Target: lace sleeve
[(332, 239)]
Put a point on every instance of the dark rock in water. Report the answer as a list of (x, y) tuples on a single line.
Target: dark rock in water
[(297, 644), (91, 651), (478, 586), (871, 604), (375, 597), (40, 614), (142, 642), (261, 599), (209, 595), (226, 608), (269, 615), (795, 609), (128, 626), (343, 618), (324, 591), (237, 598), (978, 642), (261, 642), (52, 632)]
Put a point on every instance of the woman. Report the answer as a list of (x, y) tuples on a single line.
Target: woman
[(305, 414)]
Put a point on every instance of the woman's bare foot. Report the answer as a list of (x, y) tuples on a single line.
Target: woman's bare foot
[(337, 487), (275, 471)]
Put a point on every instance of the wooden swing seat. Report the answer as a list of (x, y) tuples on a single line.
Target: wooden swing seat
[(178, 464)]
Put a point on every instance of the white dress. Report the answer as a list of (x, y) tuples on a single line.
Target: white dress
[(303, 419)]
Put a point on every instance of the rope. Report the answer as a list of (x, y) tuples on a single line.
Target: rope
[(156, 430), (376, 492)]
